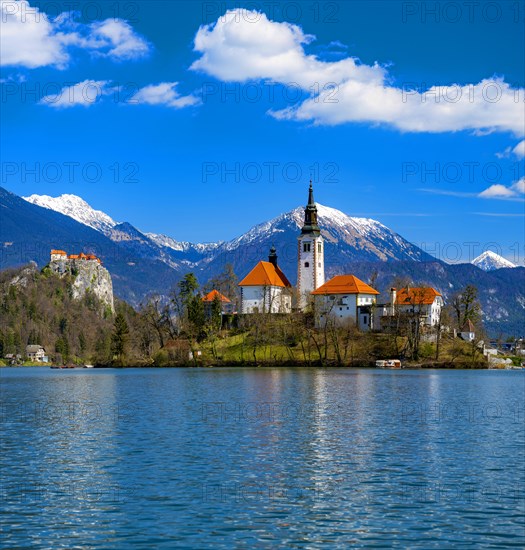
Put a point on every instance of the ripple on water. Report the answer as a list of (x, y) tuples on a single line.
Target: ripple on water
[(262, 458)]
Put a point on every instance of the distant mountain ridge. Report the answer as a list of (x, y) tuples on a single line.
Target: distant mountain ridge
[(28, 232), (76, 208), (145, 263), (489, 261), (347, 238)]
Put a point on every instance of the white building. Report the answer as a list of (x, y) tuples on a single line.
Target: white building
[(266, 289), (425, 302), (310, 254), (37, 353), (344, 298)]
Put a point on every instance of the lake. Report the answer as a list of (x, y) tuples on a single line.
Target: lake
[(262, 458)]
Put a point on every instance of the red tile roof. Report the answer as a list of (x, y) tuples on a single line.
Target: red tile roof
[(211, 296), (345, 284), (265, 274), (61, 252), (83, 256), (416, 296)]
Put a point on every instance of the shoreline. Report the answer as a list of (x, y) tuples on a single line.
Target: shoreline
[(313, 365)]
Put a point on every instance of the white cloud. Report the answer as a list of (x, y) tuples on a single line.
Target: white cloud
[(84, 93), (29, 38), (164, 93), (447, 193), (89, 92), (519, 150), (245, 45), (499, 214), (18, 78), (112, 38), (498, 191), (519, 186)]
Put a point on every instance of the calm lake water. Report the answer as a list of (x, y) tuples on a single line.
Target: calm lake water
[(262, 458)]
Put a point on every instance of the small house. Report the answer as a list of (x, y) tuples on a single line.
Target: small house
[(226, 303), (423, 302), (36, 353), (345, 297)]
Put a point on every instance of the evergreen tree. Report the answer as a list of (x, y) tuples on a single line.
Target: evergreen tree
[(120, 337), (216, 313), (196, 315), (188, 286), (82, 343), (62, 347)]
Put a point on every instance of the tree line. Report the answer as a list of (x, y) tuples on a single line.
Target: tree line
[(37, 307)]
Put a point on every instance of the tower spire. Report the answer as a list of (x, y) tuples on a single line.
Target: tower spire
[(310, 257), (310, 214)]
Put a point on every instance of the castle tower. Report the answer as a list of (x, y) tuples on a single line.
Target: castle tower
[(310, 256)]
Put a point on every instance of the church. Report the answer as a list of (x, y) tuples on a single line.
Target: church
[(266, 289)]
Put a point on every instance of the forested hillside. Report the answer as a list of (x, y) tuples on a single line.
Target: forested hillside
[(37, 307)]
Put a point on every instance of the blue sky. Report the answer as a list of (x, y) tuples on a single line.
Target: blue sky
[(262, 99)]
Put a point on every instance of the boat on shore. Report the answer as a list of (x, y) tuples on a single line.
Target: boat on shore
[(389, 364)]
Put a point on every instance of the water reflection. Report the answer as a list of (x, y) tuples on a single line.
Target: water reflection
[(262, 457)]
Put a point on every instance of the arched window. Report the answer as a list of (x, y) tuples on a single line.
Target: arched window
[(306, 264)]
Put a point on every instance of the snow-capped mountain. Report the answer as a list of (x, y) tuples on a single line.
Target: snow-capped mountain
[(76, 208), (370, 238), (489, 261), (182, 246), (143, 245), (347, 239)]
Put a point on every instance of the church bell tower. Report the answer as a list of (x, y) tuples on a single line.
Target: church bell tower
[(310, 254)]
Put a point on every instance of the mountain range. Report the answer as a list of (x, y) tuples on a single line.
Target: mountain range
[(142, 263), (347, 240)]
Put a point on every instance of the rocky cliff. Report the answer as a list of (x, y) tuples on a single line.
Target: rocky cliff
[(88, 275)]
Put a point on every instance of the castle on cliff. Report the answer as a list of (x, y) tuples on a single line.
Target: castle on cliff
[(88, 272)]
